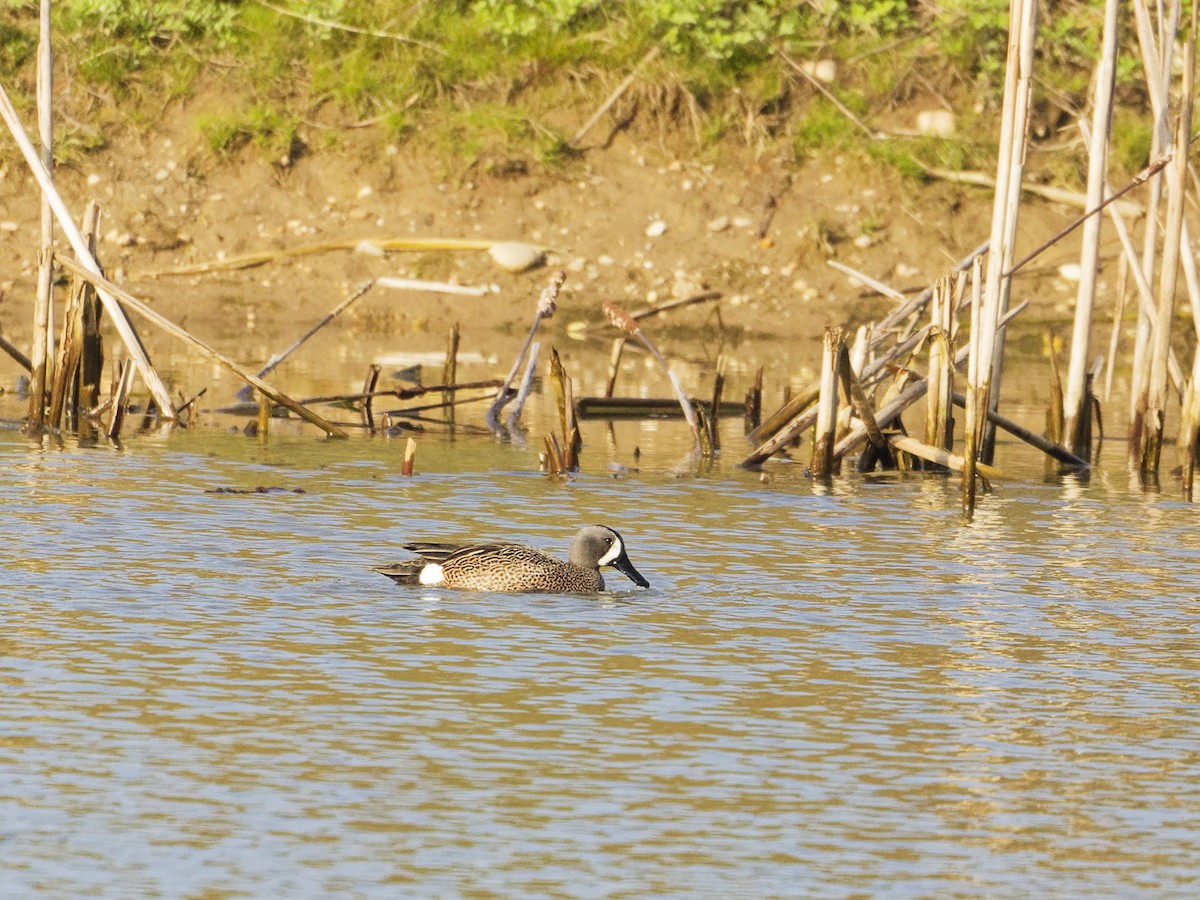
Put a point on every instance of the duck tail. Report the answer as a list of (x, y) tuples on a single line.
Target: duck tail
[(403, 572)]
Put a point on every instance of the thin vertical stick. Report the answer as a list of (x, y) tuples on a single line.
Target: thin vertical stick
[(1176, 172), (938, 432), (120, 399), (264, 418), (976, 400), (614, 365), (714, 437), (450, 372), (1010, 167), (1076, 405), (827, 405), (1114, 340), (368, 407), (43, 312)]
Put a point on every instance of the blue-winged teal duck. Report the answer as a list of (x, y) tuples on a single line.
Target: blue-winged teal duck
[(512, 567)]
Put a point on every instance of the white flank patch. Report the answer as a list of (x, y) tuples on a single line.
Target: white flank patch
[(431, 574), (613, 552)]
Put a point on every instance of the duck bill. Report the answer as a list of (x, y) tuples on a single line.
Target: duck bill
[(625, 567)]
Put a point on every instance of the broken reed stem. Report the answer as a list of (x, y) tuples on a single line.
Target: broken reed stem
[(1051, 449), (263, 430), (450, 372), (853, 389), (368, 407), (939, 425), (1076, 404), (612, 98), (132, 344), (620, 318), (120, 399), (753, 415), (564, 396), (410, 457), (614, 365), (546, 305), (526, 385), (118, 296), (821, 465), (714, 435), (42, 351)]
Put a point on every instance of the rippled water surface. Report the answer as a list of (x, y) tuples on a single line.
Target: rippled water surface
[(827, 691)]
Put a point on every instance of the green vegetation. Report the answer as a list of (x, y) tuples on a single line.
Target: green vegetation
[(485, 79)]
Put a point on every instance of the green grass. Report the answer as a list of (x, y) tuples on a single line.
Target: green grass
[(477, 78)]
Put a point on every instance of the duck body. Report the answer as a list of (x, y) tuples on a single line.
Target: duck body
[(514, 568)]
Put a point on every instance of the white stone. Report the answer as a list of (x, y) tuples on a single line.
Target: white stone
[(936, 123), (515, 256), (657, 228)]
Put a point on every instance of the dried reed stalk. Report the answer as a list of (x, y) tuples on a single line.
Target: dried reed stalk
[(136, 351), (71, 344), (1076, 402), (939, 426), (120, 399), (368, 406), (821, 465), (104, 287), (546, 305), (714, 435), (410, 457), (43, 312), (450, 372), (526, 385), (626, 323), (614, 365), (1154, 417)]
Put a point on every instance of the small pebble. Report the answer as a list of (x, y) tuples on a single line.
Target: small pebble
[(657, 228)]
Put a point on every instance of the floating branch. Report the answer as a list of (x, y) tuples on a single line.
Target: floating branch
[(104, 286)]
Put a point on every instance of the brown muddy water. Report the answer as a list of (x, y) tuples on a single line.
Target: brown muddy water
[(828, 690)]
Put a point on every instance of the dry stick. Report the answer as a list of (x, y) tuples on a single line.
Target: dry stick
[(71, 345), (626, 323), (828, 95), (42, 351), (403, 393), (117, 295), (791, 419), (870, 282), (368, 410), (660, 308), (753, 414), (853, 389), (1014, 134), (714, 436), (250, 260), (436, 287), (21, 359), (1062, 454), (614, 363), (907, 397), (547, 303), (938, 455), (157, 389), (450, 371), (1153, 419), (938, 423), (1076, 405), (526, 386), (263, 430), (120, 399), (278, 358), (621, 88), (1156, 67), (834, 344), (1114, 340), (1045, 191)]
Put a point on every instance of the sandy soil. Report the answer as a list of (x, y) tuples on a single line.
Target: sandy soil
[(755, 230)]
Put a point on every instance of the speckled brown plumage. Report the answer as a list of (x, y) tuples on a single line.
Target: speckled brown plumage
[(512, 568)]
